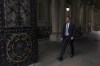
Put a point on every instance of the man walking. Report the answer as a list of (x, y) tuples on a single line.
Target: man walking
[(67, 37)]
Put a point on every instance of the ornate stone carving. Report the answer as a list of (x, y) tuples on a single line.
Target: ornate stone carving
[(17, 13), (18, 39), (19, 47)]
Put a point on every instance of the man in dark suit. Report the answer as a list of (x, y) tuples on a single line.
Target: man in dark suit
[(67, 37)]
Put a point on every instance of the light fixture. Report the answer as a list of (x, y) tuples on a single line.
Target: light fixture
[(89, 23), (67, 9)]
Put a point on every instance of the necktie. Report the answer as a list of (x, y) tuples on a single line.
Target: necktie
[(67, 30)]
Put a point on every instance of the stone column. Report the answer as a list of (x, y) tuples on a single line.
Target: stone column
[(83, 17), (86, 17), (62, 9), (89, 18), (73, 6), (58, 17), (46, 13), (54, 12), (75, 9), (92, 19)]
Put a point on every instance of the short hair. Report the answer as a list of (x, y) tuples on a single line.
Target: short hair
[(68, 17)]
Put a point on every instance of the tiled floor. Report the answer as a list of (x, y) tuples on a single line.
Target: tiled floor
[(87, 53)]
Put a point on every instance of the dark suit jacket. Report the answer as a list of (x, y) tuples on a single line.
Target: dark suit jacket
[(71, 30)]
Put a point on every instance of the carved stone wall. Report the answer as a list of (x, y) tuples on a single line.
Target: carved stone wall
[(18, 39)]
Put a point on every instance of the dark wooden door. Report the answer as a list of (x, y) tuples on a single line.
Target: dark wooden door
[(18, 26)]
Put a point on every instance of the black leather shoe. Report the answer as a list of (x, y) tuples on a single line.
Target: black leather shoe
[(71, 56), (60, 58)]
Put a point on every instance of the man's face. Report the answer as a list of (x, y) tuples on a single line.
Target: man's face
[(67, 20)]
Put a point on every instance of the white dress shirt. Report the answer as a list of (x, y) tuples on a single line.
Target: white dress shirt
[(67, 27)]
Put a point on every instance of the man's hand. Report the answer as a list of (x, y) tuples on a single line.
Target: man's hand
[(72, 38), (61, 38)]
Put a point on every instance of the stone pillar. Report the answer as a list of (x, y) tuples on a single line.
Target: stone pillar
[(89, 18), (86, 20), (86, 17), (75, 9), (73, 6), (46, 13), (58, 16), (54, 12), (83, 17), (92, 19), (62, 16)]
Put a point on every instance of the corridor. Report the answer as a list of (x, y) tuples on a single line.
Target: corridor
[(30, 32), (87, 53)]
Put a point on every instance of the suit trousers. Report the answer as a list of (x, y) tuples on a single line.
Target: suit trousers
[(65, 42)]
